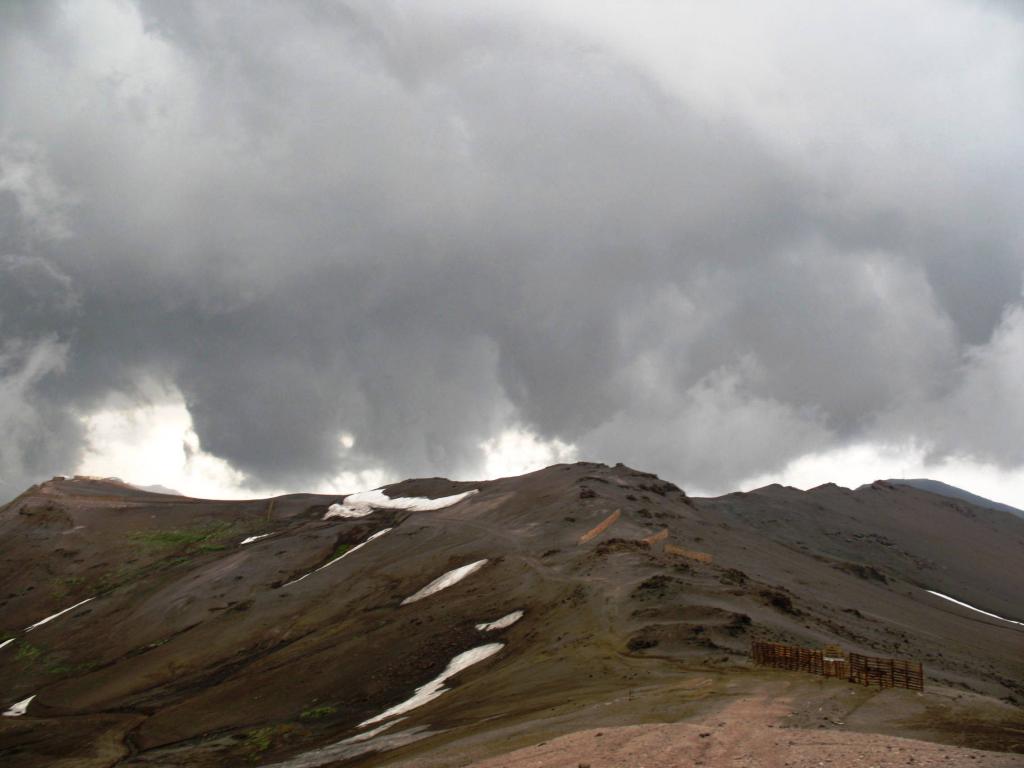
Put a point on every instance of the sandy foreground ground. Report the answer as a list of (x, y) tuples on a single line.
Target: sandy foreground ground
[(749, 732)]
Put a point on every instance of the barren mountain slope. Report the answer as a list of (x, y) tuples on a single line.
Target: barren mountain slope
[(197, 649)]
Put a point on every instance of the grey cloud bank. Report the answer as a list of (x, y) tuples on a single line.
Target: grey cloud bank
[(419, 224)]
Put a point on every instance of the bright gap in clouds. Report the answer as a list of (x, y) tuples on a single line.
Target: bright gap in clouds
[(855, 465), (156, 444), (518, 451)]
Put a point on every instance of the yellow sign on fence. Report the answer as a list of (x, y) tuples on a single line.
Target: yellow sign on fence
[(833, 653)]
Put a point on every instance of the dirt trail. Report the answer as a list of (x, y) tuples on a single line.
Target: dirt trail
[(748, 732)]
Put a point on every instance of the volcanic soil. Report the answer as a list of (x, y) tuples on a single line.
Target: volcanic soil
[(188, 647)]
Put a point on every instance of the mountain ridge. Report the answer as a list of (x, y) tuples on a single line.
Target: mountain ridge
[(945, 489), (257, 631)]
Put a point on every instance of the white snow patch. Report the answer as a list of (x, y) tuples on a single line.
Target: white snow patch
[(978, 610), (48, 619), (356, 548), (371, 733), (19, 709), (340, 510), (362, 504), (7, 642), (251, 539), (445, 581), (502, 623), (433, 689)]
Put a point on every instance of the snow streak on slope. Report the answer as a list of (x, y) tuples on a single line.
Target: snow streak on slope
[(48, 619), (502, 623), (251, 539), (19, 709), (977, 610), (433, 689), (6, 642), (445, 581), (362, 504), (371, 741), (356, 548), (371, 733)]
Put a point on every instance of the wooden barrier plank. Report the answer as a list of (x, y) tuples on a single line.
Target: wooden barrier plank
[(654, 538), (601, 527), (703, 557)]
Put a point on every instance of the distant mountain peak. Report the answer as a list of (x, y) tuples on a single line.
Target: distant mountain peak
[(951, 491)]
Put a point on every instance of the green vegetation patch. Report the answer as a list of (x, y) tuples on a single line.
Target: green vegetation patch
[(212, 537), (52, 663), (62, 586), (256, 741), (209, 537), (318, 713), (28, 653)]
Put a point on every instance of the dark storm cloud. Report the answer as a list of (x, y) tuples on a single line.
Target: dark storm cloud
[(420, 227)]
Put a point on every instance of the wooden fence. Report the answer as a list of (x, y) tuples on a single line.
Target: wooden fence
[(654, 538), (856, 668), (887, 673), (601, 527), (703, 557)]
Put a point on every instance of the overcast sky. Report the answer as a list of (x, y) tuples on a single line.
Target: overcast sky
[(249, 247)]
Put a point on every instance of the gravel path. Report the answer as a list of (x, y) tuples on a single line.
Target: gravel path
[(746, 734)]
